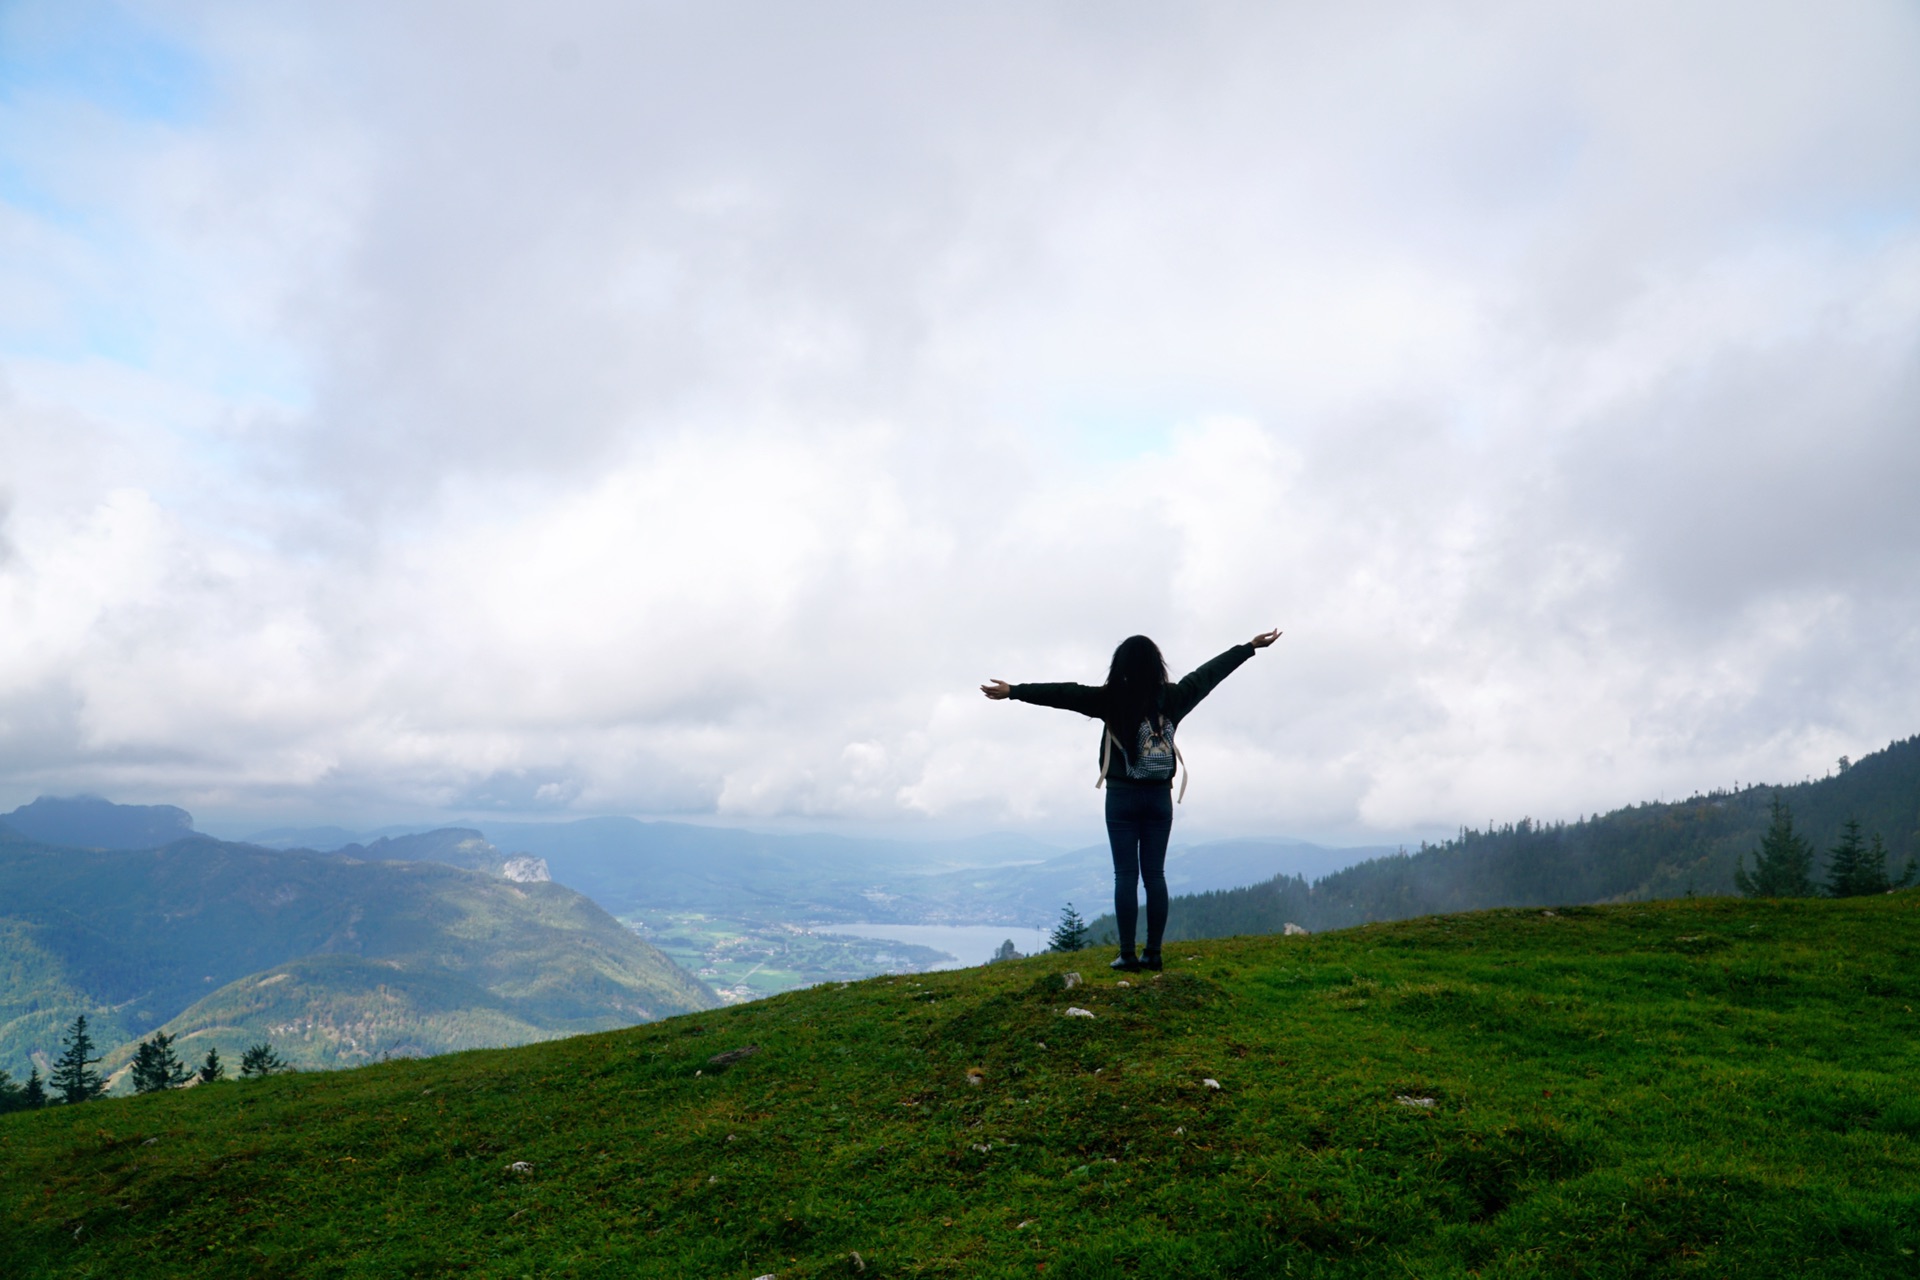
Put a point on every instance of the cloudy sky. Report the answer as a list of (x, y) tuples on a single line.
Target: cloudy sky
[(422, 409)]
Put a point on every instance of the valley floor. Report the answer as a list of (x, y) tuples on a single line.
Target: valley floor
[(743, 959), (1695, 1088)]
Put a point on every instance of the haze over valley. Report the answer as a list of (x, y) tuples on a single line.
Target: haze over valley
[(413, 943)]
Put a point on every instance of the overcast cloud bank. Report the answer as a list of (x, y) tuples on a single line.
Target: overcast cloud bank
[(678, 410)]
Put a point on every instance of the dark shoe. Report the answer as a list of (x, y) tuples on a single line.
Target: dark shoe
[(1150, 962), (1125, 964)]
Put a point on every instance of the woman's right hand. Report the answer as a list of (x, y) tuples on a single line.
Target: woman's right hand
[(1265, 638), (996, 689)]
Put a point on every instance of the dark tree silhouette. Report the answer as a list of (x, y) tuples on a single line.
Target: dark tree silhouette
[(73, 1075), (1856, 869), (260, 1060), (35, 1091), (1783, 862), (1070, 934), (212, 1069), (1847, 874), (156, 1067)]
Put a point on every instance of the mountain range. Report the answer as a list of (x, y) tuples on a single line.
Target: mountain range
[(628, 865), (334, 958), (407, 942)]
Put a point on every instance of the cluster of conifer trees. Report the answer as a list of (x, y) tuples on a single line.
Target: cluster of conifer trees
[(1783, 863), (156, 1068)]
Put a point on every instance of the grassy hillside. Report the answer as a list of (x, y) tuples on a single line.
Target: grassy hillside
[(1641, 852), (332, 1011), (136, 938), (1706, 1087)]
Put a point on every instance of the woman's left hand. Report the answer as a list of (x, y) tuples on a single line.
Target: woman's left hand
[(1265, 638)]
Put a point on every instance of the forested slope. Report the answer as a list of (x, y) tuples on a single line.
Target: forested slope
[(1645, 851), (133, 938)]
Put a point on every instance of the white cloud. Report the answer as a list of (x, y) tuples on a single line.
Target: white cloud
[(664, 409)]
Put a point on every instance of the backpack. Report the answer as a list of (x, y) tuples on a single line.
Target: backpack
[(1156, 759)]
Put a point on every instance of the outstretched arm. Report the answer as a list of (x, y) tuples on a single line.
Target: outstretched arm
[(1201, 682), (1068, 697)]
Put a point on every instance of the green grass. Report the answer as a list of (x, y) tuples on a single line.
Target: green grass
[(1695, 1088)]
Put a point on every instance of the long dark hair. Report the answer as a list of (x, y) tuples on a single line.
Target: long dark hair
[(1134, 681)]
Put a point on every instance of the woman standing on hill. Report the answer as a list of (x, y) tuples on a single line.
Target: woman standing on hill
[(1139, 709)]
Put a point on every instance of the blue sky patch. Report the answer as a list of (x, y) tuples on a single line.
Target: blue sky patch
[(102, 54)]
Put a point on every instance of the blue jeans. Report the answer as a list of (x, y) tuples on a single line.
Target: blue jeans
[(1139, 820)]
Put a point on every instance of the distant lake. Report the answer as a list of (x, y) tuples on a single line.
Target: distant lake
[(968, 944)]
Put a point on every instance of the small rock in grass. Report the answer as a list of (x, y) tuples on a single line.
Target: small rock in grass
[(1024, 1224), (1211, 1083), (712, 1178), (149, 1142), (1177, 1132), (981, 1146), (859, 1263), (519, 1166), (732, 1056), (1075, 1011), (1408, 1100), (1293, 930), (1069, 980), (1123, 983)]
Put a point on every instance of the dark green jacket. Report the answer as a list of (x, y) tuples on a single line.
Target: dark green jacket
[(1176, 700)]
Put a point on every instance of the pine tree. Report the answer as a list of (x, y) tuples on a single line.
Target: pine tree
[(1848, 875), (260, 1060), (12, 1096), (73, 1075), (1877, 856), (1868, 871), (156, 1067), (212, 1069), (1781, 864), (35, 1091), (1071, 933)]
